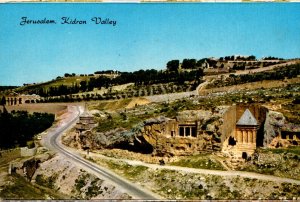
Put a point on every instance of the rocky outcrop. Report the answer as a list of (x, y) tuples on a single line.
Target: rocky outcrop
[(133, 139), (57, 173), (62, 175), (274, 121), (190, 132)]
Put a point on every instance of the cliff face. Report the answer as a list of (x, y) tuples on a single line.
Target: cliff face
[(274, 121), (190, 132), (134, 139)]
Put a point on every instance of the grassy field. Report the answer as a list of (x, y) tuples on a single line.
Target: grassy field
[(110, 105), (173, 184), (67, 81), (8, 156), (281, 162), (204, 161), (291, 150)]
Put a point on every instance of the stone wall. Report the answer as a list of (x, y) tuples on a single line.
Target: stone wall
[(28, 152), (229, 122)]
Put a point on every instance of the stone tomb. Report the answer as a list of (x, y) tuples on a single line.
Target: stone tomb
[(245, 134)]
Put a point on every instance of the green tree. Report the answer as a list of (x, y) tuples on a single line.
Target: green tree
[(3, 101), (83, 85), (251, 57), (173, 65), (189, 63)]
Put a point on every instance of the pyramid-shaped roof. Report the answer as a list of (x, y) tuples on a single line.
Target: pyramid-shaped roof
[(247, 119)]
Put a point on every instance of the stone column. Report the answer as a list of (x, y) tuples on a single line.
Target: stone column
[(249, 136), (239, 136), (254, 137), (245, 138)]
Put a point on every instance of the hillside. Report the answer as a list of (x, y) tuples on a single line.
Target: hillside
[(170, 134), (207, 73)]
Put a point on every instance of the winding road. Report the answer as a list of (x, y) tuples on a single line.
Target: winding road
[(52, 141)]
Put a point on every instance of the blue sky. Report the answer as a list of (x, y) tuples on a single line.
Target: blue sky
[(146, 36)]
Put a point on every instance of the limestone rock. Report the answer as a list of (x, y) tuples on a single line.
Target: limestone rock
[(274, 120)]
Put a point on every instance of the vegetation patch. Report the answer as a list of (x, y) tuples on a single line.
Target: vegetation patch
[(199, 161), (46, 181), (22, 189), (28, 126), (279, 162)]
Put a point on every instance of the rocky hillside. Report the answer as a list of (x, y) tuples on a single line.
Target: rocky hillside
[(57, 173)]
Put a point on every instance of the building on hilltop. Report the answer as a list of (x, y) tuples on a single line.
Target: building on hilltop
[(14, 98)]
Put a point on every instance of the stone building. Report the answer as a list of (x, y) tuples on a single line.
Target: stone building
[(17, 99), (243, 130), (86, 122), (84, 128)]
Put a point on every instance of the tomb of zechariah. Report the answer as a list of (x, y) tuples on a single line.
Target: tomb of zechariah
[(243, 130), (245, 135)]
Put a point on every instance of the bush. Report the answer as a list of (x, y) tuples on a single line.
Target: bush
[(296, 100)]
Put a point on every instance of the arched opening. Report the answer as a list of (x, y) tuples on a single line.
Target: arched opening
[(244, 155), (231, 141), (141, 146)]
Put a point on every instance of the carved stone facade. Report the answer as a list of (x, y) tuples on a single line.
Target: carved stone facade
[(241, 138), (245, 134), (290, 132), (190, 135), (182, 135)]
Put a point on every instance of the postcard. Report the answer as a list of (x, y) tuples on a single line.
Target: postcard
[(149, 101)]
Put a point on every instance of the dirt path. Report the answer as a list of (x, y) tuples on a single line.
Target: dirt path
[(201, 171)]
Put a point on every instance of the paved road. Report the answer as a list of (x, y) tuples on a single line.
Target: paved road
[(52, 141)]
